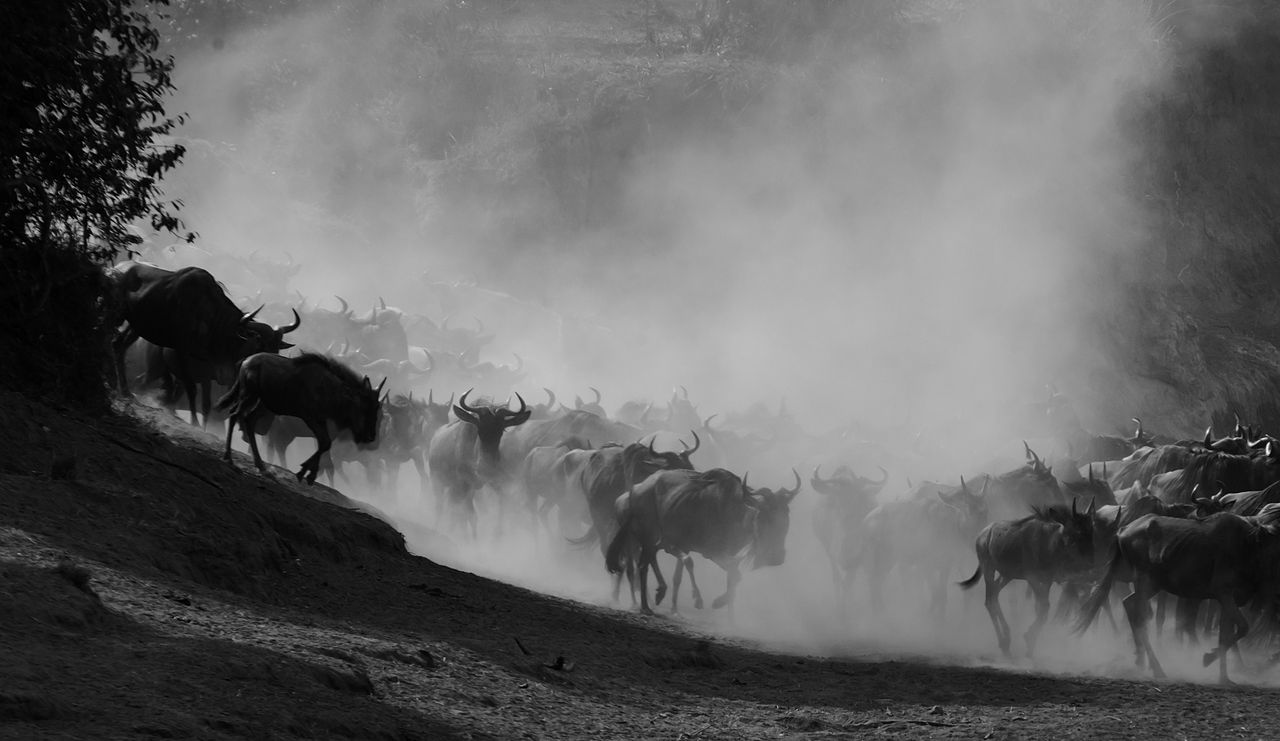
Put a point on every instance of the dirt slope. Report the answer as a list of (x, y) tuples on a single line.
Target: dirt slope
[(153, 591)]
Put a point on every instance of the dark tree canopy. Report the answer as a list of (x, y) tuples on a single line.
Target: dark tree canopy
[(82, 119)]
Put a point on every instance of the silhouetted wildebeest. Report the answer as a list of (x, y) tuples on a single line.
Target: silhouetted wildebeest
[(1226, 558), (1048, 546), (464, 455), (1211, 471), (1013, 494), (593, 407), (165, 365), (839, 522), (314, 388), (712, 513), (1147, 463), (186, 310)]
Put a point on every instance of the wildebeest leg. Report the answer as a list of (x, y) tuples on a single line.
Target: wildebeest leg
[(693, 583), (206, 400), (991, 599), (661, 591), (1232, 626), (1137, 608), (188, 386), (1040, 591), (645, 558), (311, 466), (732, 576), (119, 346), (231, 431), (249, 419), (675, 584)]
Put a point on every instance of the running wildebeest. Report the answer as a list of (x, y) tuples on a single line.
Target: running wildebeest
[(186, 310), (464, 455), (1048, 546), (839, 522), (1226, 558), (711, 513), (544, 484), (314, 388)]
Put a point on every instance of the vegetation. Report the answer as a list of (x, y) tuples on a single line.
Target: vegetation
[(82, 151)]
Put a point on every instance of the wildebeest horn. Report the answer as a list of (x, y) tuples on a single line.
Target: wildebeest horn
[(551, 397), (651, 441), (1238, 426), (964, 488), (696, 444), (383, 301), (1027, 448), (384, 383), (577, 401), (249, 317), (685, 391), (463, 401), (816, 480), (1073, 506), (706, 423), (595, 391), (519, 363), (523, 406), (431, 393), (297, 322), (1267, 451), (744, 480), (883, 479), (345, 309), (1090, 473), (793, 492), (416, 370), (1093, 507), (479, 326)]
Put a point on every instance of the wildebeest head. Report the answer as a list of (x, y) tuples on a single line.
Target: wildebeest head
[(972, 508), (769, 518), (593, 407), (271, 339), (846, 483), (490, 422), (1077, 527), (405, 421), (673, 460), (364, 412)]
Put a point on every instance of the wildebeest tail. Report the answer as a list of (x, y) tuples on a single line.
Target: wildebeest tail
[(613, 556), (1101, 593), (226, 400), (968, 583)]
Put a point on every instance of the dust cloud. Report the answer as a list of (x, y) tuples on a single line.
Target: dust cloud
[(913, 233)]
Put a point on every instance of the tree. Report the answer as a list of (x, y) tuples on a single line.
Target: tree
[(81, 118), (82, 152)]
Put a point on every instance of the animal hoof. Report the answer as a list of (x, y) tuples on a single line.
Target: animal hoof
[(1210, 657), (719, 602), (657, 597), (645, 611), (697, 603)]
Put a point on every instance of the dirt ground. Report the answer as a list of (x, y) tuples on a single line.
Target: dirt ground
[(147, 589)]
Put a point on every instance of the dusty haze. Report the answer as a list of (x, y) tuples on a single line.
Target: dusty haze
[(916, 232)]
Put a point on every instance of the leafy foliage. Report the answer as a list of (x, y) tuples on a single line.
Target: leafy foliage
[(81, 119), (82, 152)]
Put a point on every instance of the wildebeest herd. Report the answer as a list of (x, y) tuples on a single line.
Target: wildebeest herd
[(1193, 525)]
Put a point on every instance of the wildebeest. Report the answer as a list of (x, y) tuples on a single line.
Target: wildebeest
[(928, 533), (1048, 546), (185, 310), (465, 456), (1226, 558), (165, 365), (316, 389), (839, 521), (544, 480), (1212, 470), (712, 513)]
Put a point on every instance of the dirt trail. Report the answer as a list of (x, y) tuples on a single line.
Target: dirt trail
[(157, 592)]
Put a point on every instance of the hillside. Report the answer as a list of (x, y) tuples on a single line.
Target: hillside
[(150, 591)]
